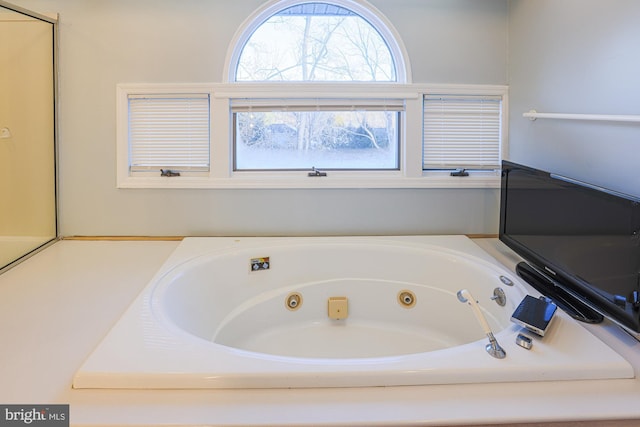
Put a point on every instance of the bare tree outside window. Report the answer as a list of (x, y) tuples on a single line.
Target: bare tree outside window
[(316, 42)]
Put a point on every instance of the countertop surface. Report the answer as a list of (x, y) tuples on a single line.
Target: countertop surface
[(57, 306)]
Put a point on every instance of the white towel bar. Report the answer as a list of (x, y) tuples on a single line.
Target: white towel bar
[(533, 115)]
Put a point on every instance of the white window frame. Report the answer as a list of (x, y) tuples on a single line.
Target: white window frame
[(221, 174), (313, 106), (132, 179), (168, 132), (462, 132)]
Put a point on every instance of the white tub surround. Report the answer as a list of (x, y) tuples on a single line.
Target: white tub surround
[(206, 320), (56, 307)]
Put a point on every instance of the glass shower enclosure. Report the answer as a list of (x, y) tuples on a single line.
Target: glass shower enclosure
[(28, 212)]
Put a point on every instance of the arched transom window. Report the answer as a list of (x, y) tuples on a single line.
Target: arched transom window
[(316, 41)]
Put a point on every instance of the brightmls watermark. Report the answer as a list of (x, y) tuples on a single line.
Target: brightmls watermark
[(34, 415)]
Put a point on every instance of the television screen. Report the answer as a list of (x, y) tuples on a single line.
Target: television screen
[(578, 237)]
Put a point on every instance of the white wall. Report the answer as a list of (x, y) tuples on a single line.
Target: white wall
[(577, 56), (103, 43)]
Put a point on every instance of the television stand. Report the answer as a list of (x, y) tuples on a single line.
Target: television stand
[(567, 302)]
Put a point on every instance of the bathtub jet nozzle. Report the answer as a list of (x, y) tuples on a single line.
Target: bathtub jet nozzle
[(493, 348)]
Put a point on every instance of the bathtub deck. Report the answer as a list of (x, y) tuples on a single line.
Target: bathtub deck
[(56, 307), (142, 352)]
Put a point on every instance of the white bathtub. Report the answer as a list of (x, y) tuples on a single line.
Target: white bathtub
[(209, 320)]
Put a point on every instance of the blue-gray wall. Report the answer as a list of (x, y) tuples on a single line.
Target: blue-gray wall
[(572, 56), (577, 56), (103, 43)]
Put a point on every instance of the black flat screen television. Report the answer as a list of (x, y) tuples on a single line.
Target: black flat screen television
[(581, 243)]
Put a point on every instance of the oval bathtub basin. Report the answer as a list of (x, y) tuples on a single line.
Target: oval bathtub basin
[(219, 299), (332, 312), (376, 326)]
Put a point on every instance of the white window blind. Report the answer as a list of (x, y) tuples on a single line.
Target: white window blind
[(316, 104), (462, 132), (168, 132)]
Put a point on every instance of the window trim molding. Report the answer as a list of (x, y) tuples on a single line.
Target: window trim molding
[(222, 176), (376, 18)]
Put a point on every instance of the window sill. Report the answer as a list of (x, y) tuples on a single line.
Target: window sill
[(335, 180)]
